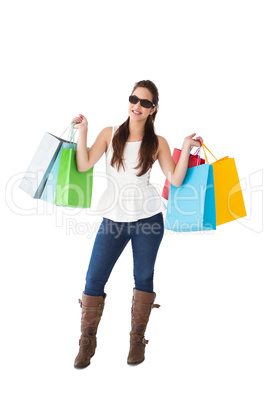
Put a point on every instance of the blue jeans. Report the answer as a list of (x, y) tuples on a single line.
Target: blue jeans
[(111, 239)]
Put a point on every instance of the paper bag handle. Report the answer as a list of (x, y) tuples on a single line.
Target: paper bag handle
[(65, 130), (198, 159), (204, 146), (72, 134)]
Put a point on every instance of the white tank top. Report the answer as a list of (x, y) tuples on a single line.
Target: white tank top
[(128, 198)]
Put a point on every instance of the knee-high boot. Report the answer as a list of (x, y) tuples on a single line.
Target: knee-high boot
[(142, 305), (92, 309)]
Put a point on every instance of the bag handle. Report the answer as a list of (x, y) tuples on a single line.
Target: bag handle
[(65, 130), (197, 152), (72, 134), (204, 146)]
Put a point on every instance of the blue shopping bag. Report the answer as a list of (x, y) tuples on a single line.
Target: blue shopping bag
[(49, 192), (191, 207)]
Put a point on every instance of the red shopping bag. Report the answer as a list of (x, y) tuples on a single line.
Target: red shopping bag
[(193, 161)]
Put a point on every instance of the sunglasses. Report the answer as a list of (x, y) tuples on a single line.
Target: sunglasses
[(144, 102)]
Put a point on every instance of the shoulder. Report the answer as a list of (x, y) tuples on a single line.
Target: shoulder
[(107, 131), (106, 135), (161, 140), (162, 145)]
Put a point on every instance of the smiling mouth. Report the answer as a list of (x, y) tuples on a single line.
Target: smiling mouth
[(136, 112)]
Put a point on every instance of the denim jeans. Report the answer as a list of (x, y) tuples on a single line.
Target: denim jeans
[(111, 239)]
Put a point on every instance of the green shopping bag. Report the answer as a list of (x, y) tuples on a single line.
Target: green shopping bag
[(74, 188)]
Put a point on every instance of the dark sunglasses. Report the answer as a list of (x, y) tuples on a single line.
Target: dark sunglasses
[(144, 102)]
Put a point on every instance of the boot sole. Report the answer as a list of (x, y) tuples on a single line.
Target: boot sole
[(135, 363), (81, 368)]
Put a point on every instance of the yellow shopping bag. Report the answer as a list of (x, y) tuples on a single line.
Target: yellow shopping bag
[(228, 194)]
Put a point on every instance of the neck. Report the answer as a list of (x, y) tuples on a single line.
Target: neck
[(136, 128)]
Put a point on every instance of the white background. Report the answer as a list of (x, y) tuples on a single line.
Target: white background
[(208, 341)]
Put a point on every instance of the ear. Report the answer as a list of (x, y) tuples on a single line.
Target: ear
[(153, 110)]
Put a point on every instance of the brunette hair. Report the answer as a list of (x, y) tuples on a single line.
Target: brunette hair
[(149, 143)]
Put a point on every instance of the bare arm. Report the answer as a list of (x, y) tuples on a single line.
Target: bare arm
[(175, 173), (86, 159)]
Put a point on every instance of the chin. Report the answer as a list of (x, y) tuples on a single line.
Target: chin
[(136, 118)]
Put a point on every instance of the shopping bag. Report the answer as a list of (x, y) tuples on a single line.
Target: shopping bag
[(74, 188), (228, 194), (49, 192), (193, 161), (191, 207), (35, 178)]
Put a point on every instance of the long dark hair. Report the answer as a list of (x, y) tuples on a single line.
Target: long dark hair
[(149, 143)]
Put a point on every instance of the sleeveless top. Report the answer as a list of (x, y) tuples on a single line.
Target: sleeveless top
[(128, 198)]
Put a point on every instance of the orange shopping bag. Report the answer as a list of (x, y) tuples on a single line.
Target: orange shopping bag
[(228, 194)]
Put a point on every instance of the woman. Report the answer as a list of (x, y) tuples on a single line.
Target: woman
[(132, 210)]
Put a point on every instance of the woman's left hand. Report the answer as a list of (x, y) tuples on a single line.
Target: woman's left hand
[(192, 142)]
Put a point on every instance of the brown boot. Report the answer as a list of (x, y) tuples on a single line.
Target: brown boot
[(142, 304), (92, 308)]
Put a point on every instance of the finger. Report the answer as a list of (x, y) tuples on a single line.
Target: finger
[(199, 139), (196, 143)]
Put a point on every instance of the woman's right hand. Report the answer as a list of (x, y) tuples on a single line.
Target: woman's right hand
[(80, 122)]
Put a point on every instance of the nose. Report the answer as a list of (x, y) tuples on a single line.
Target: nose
[(138, 104)]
